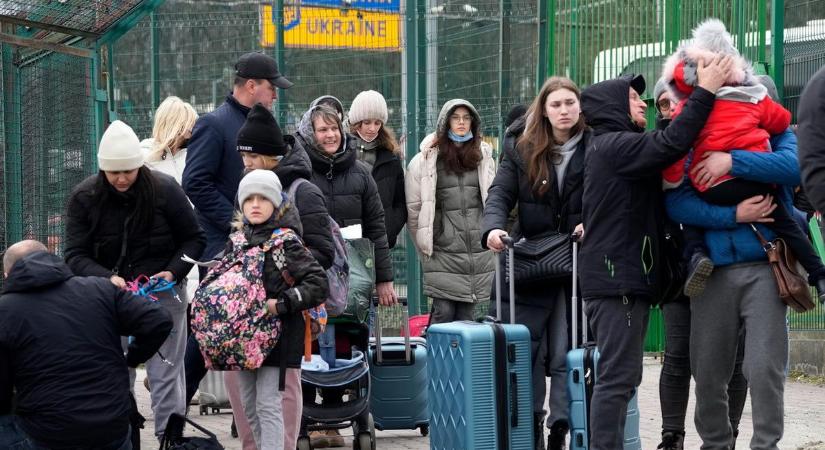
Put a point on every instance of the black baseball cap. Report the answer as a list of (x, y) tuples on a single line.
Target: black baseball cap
[(257, 66)]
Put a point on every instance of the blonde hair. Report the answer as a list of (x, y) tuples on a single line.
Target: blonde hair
[(173, 118)]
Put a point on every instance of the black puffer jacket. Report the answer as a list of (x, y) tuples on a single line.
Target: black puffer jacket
[(351, 194), (309, 201), (559, 211), (622, 203), (60, 349), (811, 135), (388, 174), (309, 290), (93, 249), (554, 211)]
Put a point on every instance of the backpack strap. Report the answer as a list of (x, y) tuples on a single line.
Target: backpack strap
[(294, 188)]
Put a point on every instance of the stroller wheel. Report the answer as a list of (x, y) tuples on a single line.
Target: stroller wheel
[(304, 443), (424, 429), (365, 441)]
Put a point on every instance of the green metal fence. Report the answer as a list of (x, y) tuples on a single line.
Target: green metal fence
[(78, 66)]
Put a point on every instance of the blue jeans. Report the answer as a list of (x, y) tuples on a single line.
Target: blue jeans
[(12, 437)]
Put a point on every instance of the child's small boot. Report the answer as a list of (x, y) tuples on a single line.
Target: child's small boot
[(699, 269)]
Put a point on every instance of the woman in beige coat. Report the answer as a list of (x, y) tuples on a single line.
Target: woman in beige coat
[(446, 187)]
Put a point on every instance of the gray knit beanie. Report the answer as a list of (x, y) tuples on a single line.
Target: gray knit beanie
[(368, 105), (261, 182), (658, 89)]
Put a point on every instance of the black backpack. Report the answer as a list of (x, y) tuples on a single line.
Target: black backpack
[(173, 438)]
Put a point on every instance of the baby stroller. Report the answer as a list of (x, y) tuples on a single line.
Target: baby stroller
[(350, 373)]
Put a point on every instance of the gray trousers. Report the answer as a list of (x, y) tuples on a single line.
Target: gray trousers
[(619, 325), (168, 380), (739, 295), (263, 406), (548, 340), (448, 310)]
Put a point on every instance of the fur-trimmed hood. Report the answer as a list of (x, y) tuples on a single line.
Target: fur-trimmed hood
[(710, 39)]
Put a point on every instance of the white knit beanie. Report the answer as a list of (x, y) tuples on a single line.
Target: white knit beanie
[(119, 149), (261, 182), (368, 105)]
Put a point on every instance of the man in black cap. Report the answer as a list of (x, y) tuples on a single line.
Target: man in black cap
[(623, 209), (214, 168)]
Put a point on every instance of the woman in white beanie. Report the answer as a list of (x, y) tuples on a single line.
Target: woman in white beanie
[(124, 222), (376, 147)]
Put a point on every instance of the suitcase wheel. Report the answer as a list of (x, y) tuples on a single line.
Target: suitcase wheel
[(424, 429), (304, 443)]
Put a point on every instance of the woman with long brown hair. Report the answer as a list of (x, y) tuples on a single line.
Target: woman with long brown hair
[(446, 187), (541, 173)]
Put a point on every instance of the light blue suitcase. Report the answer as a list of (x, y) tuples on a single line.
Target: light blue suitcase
[(398, 380), (581, 378), (480, 389)]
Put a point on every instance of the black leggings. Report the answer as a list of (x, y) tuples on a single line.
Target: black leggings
[(734, 191)]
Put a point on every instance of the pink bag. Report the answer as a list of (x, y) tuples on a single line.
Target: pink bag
[(419, 324)]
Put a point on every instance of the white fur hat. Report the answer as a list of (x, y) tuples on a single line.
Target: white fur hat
[(710, 39), (368, 105), (119, 149)]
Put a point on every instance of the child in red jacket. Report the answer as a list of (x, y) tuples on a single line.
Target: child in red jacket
[(743, 118)]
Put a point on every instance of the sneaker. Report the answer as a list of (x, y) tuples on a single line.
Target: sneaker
[(672, 440), (699, 269), (820, 290), (335, 439), (557, 438), (318, 439)]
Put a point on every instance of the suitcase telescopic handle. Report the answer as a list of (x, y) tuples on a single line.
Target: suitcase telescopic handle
[(575, 238), (405, 331), (508, 243)]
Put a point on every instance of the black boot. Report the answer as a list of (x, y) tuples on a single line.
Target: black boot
[(820, 290), (558, 434), (672, 440), (699, 269), (538, 431)]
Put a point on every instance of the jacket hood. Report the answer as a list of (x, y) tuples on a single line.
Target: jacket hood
[(307, 132), (317, 101), (606, 106), (709, 39), (37, 270), (296, 163), (442, 123), (516, 128)]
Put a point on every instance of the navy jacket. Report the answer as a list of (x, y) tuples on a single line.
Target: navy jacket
[(60, 348), (213, 171)]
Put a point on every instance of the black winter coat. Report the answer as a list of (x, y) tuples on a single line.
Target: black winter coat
[(554, 211), (388, 173), (309, 290), (93, 249), (352, 198), (622, 202), (213, 171), (811, 138), (309, 201), (60, 349)]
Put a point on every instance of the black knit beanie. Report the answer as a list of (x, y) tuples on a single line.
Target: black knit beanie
[(261, 134)]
